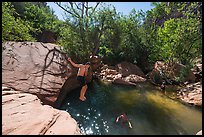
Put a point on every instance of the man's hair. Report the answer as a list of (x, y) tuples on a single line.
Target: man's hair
[(88, 63)]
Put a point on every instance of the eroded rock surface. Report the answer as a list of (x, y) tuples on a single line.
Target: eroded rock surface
[(23, 69), (23, 114), (38, 68), (191, 94), (124, 73), (126, 69)]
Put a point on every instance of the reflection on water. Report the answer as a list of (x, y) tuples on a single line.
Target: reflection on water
[(150, 111)]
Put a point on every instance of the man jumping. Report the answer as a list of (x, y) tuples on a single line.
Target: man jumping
[(82, 72)]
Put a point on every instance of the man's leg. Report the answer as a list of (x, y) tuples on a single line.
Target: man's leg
[(83, 91)]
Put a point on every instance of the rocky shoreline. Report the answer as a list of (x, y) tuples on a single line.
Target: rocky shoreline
[(33, 74), (23, 114), (191, 94)]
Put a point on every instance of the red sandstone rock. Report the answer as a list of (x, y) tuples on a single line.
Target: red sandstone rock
[(192, 94), (23, 65), (23, 69), (134, 78), (23, 114), (124, 73), (126, 69)]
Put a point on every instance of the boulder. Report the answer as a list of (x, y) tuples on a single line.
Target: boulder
[(159, 65), (177, 68), (126, 69), (25, 69), (123, 82), (191, 94), (197, 71), (124, 73), (155, 77), (48, 37), (134, 78), (163, 71), (108, 73), (23, 114)]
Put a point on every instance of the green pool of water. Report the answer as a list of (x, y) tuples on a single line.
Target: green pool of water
[(150, 111)]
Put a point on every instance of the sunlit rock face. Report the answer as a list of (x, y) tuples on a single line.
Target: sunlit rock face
[(23, 69), (191, 94), (23, 114), (36, 68), (124, 73)]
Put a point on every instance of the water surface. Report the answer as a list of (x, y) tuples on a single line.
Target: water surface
[(150, 111)]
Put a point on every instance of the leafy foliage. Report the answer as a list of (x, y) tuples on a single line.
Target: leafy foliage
[(40, 18), (27, 23), (14, 29), (180, 39), (171, 31)]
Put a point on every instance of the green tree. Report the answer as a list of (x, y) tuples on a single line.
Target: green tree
[(172, 31), (14, 28), (107, 33), (40, 18), (180, 38), (79, 15)]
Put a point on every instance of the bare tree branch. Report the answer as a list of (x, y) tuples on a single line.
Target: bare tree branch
[(77, 6), (86, 20), (71, 3), (95, 7), (82, 13), (59, 4), (86, 9)]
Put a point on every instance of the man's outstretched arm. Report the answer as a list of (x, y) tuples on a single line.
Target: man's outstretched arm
[(74, 64)]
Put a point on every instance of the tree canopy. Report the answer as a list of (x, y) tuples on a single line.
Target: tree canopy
[(171, 31)]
